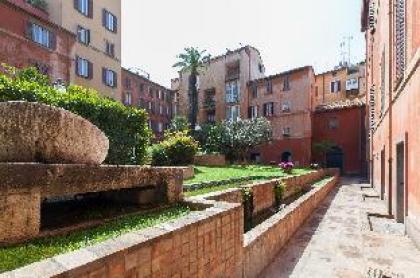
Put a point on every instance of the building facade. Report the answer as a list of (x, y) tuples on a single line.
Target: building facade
[(96, 57), (28, 38), (342, 83), (222, 86), (157, 100), (392, 31), (285, 100), (341, 124)]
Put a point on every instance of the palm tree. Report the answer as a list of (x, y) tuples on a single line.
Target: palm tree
[(192, 61)]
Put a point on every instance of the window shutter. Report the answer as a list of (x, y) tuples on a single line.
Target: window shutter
[(28, 30), (104, 75), (90, 11), (104, 17), (332, 87), (88, 36), (53, 41), (250, 112), (115, 79), (339, 86), (76, 4), (115, 24), (90, 70), (400, 39), (76, 66)]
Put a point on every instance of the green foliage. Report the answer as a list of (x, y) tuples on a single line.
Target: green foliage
[(42, 4), (179, 123), (279, 190), (38, 249), (323, 147), (178, 149), (235, 139), (125, 127)]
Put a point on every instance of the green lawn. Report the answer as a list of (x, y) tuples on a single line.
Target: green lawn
[(36, 250), (257, 172)]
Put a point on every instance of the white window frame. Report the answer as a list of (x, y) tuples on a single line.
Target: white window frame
[(233, 113), (41, 35), (109, 77), (128, 98), (254, 112), (232, 91), (82, 34), (335, 88), (82, 67), (83, 7)]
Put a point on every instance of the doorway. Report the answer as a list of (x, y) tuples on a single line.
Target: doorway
[(335, 158), (400, 183), (286, 157), (383, 174)]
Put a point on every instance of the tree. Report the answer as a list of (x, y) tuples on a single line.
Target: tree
[(322, 148), (179, 123), (192, 61)]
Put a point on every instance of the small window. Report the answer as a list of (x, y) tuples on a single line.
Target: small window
[(269, 86), (109, 77), (254, 88), (335, 86), (286, 83), (141, 87), (160, 127), (286, 131), (261, 68), (84, 7), (109, 21), (41, 35), (110, 49), (269, 109), (83, 68), (127, 83), (233, 113), (253, 112), (286, 106), (83, 35), (211, 116), (127, 100), (333, 123)]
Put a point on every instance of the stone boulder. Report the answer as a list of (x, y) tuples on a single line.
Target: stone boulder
[(34, 132)]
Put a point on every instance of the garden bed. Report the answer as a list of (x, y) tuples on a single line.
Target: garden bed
[(19, 255)]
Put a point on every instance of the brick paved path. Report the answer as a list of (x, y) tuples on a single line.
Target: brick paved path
[(337, 241)]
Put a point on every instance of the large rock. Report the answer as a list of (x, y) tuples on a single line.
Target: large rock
[(34, 132)]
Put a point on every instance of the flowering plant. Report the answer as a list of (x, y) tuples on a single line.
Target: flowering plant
[(314, 166), (287, 167)]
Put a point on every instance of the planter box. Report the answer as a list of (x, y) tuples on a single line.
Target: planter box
[(210, 160)]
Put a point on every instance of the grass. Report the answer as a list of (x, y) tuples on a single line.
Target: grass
[(323, 182), (17, 256), (206, 190), (257, 172)]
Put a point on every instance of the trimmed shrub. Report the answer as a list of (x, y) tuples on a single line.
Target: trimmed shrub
[(125, 127), (178, 149)]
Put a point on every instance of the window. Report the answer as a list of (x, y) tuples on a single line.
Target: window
[(286, 131), (333, 123), (286, 106), (110, 49), (316, 91), (84, 68), (127, 83), (211, 116), (141, 87), (160, 109), (83, 35), (233, 113), (150, 92), (269, 86), (253, 112), (269, 109), (41, 35), (400, 39), (160, 127), (383, 82), (286, 83), (335, 86), (254, 88), (232, 92), (109, 77), (84, 7), (261, 68), (127, 100), (109, 21)]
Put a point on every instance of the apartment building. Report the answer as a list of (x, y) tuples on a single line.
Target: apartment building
[(96, 57), (392, 32), (342, 83), (222, 85), (28, 38), (285, 100), (158, 101)]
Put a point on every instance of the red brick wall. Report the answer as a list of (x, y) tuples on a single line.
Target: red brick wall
[(349, 136), (300, 148), (18, 51)]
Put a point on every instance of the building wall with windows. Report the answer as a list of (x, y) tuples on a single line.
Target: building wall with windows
[(96, 58), (285, 100), (222, 85), (158, 101), (340, 84), (392, 32), (27, 38)]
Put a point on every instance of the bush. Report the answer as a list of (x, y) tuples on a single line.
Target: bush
[(178, 149), (125, 127), (179, 123)]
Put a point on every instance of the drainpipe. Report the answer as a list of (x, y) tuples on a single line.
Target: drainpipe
[(390, 85)]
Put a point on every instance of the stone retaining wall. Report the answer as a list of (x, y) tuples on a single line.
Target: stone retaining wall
[(24, 185), (187, 172), (210, 160), (262, 243), (205, 243)]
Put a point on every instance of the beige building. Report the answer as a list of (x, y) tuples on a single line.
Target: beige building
[(340, 84), (96, 58), (222, 86)]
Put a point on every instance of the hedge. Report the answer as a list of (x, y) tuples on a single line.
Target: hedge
[(125, 127)]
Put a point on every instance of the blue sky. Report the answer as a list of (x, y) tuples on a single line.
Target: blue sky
[(288, 33)]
